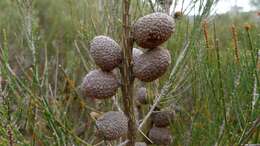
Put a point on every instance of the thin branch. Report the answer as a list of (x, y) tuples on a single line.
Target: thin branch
[(115, 102), (151, 5), (247, 134), (255, 91), (126, 72), (81, 56), (145, 136), (123, 143)]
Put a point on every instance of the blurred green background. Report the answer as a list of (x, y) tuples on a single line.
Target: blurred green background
[(213, 78)]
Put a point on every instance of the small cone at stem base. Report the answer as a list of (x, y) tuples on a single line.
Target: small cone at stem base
[(112, 125), (160, 136), (162, 118)]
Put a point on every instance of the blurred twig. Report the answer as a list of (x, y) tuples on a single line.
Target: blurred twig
[(151, 5), (126, 72), (81, 56)]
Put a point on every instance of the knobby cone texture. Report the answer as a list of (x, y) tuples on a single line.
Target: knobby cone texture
[(162, 118), (106, 53), (99, 84), (160, 136), (112, 125), (149, 31), (152, 30), (140, 95), (152, 64)]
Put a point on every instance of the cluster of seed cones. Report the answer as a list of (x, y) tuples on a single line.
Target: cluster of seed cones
[(150, 63), (159, 133), (150, 32), (161, 119)]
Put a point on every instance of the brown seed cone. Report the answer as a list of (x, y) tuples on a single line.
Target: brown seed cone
[(141, 95), (160, 136), (99, 84), (152, 64), (106, 53), (162, 118), (152, 30), (112, 125)]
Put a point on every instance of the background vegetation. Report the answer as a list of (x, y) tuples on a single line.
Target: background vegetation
[(213, 80)]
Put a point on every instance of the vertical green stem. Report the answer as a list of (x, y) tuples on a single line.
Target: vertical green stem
[(221, 87), (253, 54)]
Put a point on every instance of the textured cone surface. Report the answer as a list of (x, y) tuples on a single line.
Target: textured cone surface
[(160, 136), (152, 30), (140, 144), (105, 52), (141, 94), (112, 125), (162, 118), (99, 84), (152, 64)]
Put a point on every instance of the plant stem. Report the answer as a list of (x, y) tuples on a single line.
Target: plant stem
[(235, 41), (126, 72), (221, 87)]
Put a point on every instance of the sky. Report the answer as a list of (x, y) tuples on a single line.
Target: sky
[(224, 5)]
